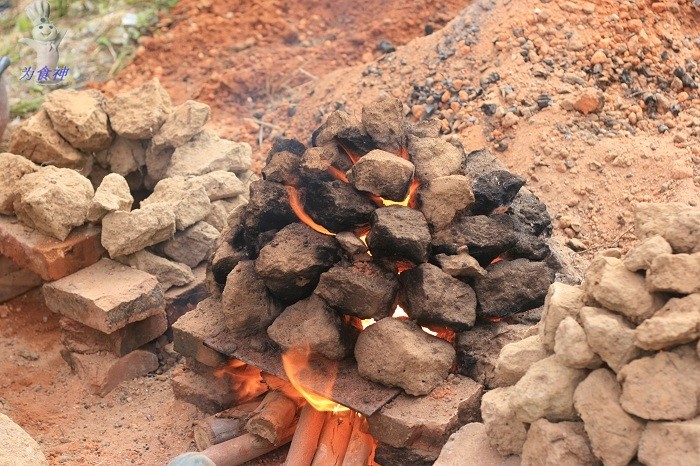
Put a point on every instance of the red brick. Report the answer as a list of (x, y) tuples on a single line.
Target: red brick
[(48, 257), (79, 338), (190, 331), (106, 296), (103, 372), (15, 280), (424, 423)]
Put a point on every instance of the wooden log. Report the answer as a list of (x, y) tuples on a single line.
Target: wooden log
[(360, 447), (274, 415), (223, 426), (303, 448), (334, 439), (245, 448)]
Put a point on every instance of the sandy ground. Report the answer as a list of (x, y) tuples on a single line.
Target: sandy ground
[(288, 64)]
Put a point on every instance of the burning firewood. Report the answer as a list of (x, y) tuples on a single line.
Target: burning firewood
[(303, 448), (273, 417), (245, 448), (223, 426), (334, 439), (360, 446)]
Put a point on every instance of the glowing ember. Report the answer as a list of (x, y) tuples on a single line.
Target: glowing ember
[(409, 200), (497, 260), (351, 155), (403, 153), (367, 322), (298, 360), (298, 209), (245, 380), (444, 333), (338, 174), (399, 313)]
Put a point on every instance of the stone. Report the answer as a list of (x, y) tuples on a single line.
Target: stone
[(248, 306), (124, 156), (562, 301), (591, 100), (676, 323), (113, 194), (53, 200), (157, 163), (291, 264), (103, 372), (125, 233), (315, 162), (670, 443), (494, 191), (283, 167), (193, 245), (361, 289), (194, 328), (80, 118), (221, 210), (187, 198), (530, 214), (15, 281), (608, 282), (663, 387), (340, 125), (485, 237), (79, 338), (167, 272), (268, 208), (679, 224), (556, 444), (675, 273), (12, 169), (227, 254), (643, 253), (338, 206), (312, 325), (383, 174), (209, 393), (571, 347), (39, 142), (513, 286), (399, 232), (18, 446), (614, 434), (398, 353), (443, 198), (139, 112), (471, 441), (433, 158), (182, 124), (505, 433), (220, 185), (383, 120), (460, 265), (206, 153), (48, 257), (425, 423), (546, 391), (516, 358), (106, 296), (432, 297), (610, 336)]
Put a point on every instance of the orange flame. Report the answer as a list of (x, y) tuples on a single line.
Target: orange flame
[(298, 209), (245, 380), (351, 155), (444, 333), (338, 174), (403, 153), (295, 362), (409, 200)]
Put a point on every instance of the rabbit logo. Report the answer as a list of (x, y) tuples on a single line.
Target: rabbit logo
[(45, 41)]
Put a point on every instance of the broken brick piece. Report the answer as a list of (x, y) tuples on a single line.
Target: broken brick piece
[(103, 372), (209, 393), (48, 257), (106, 296), (79, 338), (14, 280), (190, 331)]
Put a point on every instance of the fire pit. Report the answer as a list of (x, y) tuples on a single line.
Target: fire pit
[(359, 260)]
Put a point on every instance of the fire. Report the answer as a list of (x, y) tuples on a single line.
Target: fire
[(403, 153), (295, 362), (399, 313), (351, 155), (246, 381), (444, 333), (298, 209), (409, 200), (338, 174)]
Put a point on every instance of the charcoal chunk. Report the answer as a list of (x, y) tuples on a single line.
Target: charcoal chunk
[(486, 237), (513, 286), (399, 232), (530, 215), (267, 209), (291, 264), (338, 206), (430, 296), (362, 289), (495, 190)]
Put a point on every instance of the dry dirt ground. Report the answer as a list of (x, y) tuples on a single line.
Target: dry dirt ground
[(486, 75)]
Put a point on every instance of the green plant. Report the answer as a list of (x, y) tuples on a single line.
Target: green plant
[(25, 107)]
